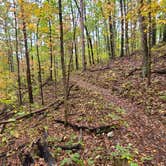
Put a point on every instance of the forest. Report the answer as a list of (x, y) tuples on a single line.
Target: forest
[(82, 82)]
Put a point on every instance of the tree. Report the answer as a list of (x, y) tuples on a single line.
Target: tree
[(122, 28), (111, 31), (65, 89), (127, 51), (39, 63), (74, 23), (82, 34), (28, 72), (17, 55), (144, 41), (164, 33)]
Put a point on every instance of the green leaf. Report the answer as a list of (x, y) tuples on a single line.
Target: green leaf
[(133, 164), (66, 161), (14, 133), (4, 139), (21, 113)]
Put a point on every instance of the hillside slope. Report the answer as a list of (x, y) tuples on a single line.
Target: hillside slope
[(112, 113)]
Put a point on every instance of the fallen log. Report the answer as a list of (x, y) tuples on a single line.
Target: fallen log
[(96, 130), (162, 71), (36, 112)]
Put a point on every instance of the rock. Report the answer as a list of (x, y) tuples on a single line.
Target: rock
[(110, 134)]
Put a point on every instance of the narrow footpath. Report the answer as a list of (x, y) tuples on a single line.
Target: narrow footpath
[(145, 133)]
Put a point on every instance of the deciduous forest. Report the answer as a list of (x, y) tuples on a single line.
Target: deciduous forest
[(83, 82)]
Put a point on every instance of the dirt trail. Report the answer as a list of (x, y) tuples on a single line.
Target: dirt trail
[(146, 133), (106, 94)]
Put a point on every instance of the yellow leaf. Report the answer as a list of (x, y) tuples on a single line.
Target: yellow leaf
[(14, 133)]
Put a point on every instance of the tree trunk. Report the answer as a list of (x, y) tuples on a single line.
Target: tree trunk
[(28, 71), (82, 34), (89, 40), (89, 55), (106, 35), (97, 44), (111, 30), (164, 33), (9, 47), (122, 29), (39, 63), (74, 38), (143, 28), (17, 56), (154, 32), (150, 45), (63, 63), (90, 44), (86, 29), (50, 50), (126, 28)]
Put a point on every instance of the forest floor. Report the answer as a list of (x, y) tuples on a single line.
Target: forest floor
[(125, 118)]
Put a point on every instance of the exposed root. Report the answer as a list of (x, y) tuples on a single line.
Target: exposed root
[(96, 130), (70, 147)]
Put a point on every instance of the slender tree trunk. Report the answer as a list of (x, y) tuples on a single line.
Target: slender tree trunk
[(106, 35), (82, 34), (39, 63), (50, 50), (86, 29), (89, 54), (150, 45), (9, 47), (17, 56), (154, 32), (55, 74), (164, 33), (114, 26), (122, 29), (133, 24), (111, 33), (89, 40), (74, 38), (134, 41), (97, 44), (76, 51), (28, 72), (32, 61), (143, 27), (111, 30), (63, 62), (126, 28), (91, 46), (88, 45)]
